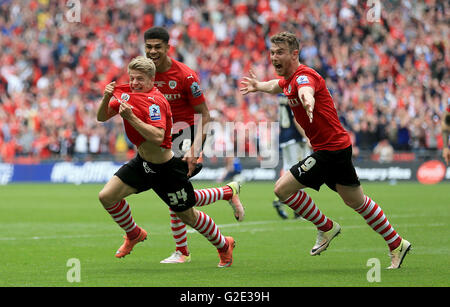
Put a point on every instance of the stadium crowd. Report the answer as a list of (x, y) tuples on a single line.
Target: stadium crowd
[(386, 69)]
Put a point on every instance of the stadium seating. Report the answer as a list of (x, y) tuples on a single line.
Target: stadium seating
[(385, 75)]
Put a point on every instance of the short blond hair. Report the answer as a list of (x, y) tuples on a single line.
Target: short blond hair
[(286, 37), (144, 65)]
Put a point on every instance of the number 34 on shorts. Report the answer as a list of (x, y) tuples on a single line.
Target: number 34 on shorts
[(177, 196)]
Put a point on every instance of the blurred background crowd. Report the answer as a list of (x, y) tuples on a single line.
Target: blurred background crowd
[(387, 72)]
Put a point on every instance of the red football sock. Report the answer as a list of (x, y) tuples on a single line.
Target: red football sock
[(375, 218), (179, 233), (303, 205), (121, 213), (206, 226), (205, 197)]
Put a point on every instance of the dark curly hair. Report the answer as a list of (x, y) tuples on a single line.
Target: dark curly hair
[(157, 33)]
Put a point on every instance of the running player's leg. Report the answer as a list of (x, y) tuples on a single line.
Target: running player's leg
[(229, 192), (290, 156), (179, 234), (371, 212), (112, 197), (375, 217), (351, 192), (297, 152), (203, 197), (181, 143), (206, 226), (290, 190), (177, 192)]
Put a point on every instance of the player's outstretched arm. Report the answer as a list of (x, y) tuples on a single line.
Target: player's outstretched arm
[(251, 84), (306, 95)]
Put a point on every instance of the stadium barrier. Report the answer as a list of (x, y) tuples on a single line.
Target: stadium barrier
[(428, 172)]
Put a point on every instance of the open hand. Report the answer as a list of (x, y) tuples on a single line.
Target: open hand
[(249, 84)]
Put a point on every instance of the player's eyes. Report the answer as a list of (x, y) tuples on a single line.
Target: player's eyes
[(153, 47)]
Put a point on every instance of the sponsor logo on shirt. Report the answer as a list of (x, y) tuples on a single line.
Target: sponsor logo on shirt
[(155, 113), (171, 97)]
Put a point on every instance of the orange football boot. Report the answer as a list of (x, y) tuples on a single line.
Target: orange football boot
[(226, 258), (128, 244)]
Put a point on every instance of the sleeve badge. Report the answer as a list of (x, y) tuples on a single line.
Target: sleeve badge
[(155, 112), (195, 89), (302, 80)]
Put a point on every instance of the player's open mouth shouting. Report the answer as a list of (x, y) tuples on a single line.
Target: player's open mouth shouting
[(278, 67)]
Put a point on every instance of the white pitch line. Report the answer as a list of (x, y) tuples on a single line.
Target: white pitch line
[(239, 227)]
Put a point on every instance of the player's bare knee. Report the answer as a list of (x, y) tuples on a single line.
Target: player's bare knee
[(280, 192), (105, 199)]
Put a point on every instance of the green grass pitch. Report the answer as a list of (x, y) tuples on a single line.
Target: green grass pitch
[(43, 226)]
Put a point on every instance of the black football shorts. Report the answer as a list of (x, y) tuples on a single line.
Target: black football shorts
[(169, 180), (329, 167)]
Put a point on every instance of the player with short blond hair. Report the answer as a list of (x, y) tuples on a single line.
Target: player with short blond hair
[(147, 121)]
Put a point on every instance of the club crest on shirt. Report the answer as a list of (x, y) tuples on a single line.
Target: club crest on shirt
[(155, 112), (172, 84), (125, 97), (302, 80), (195, 89)]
